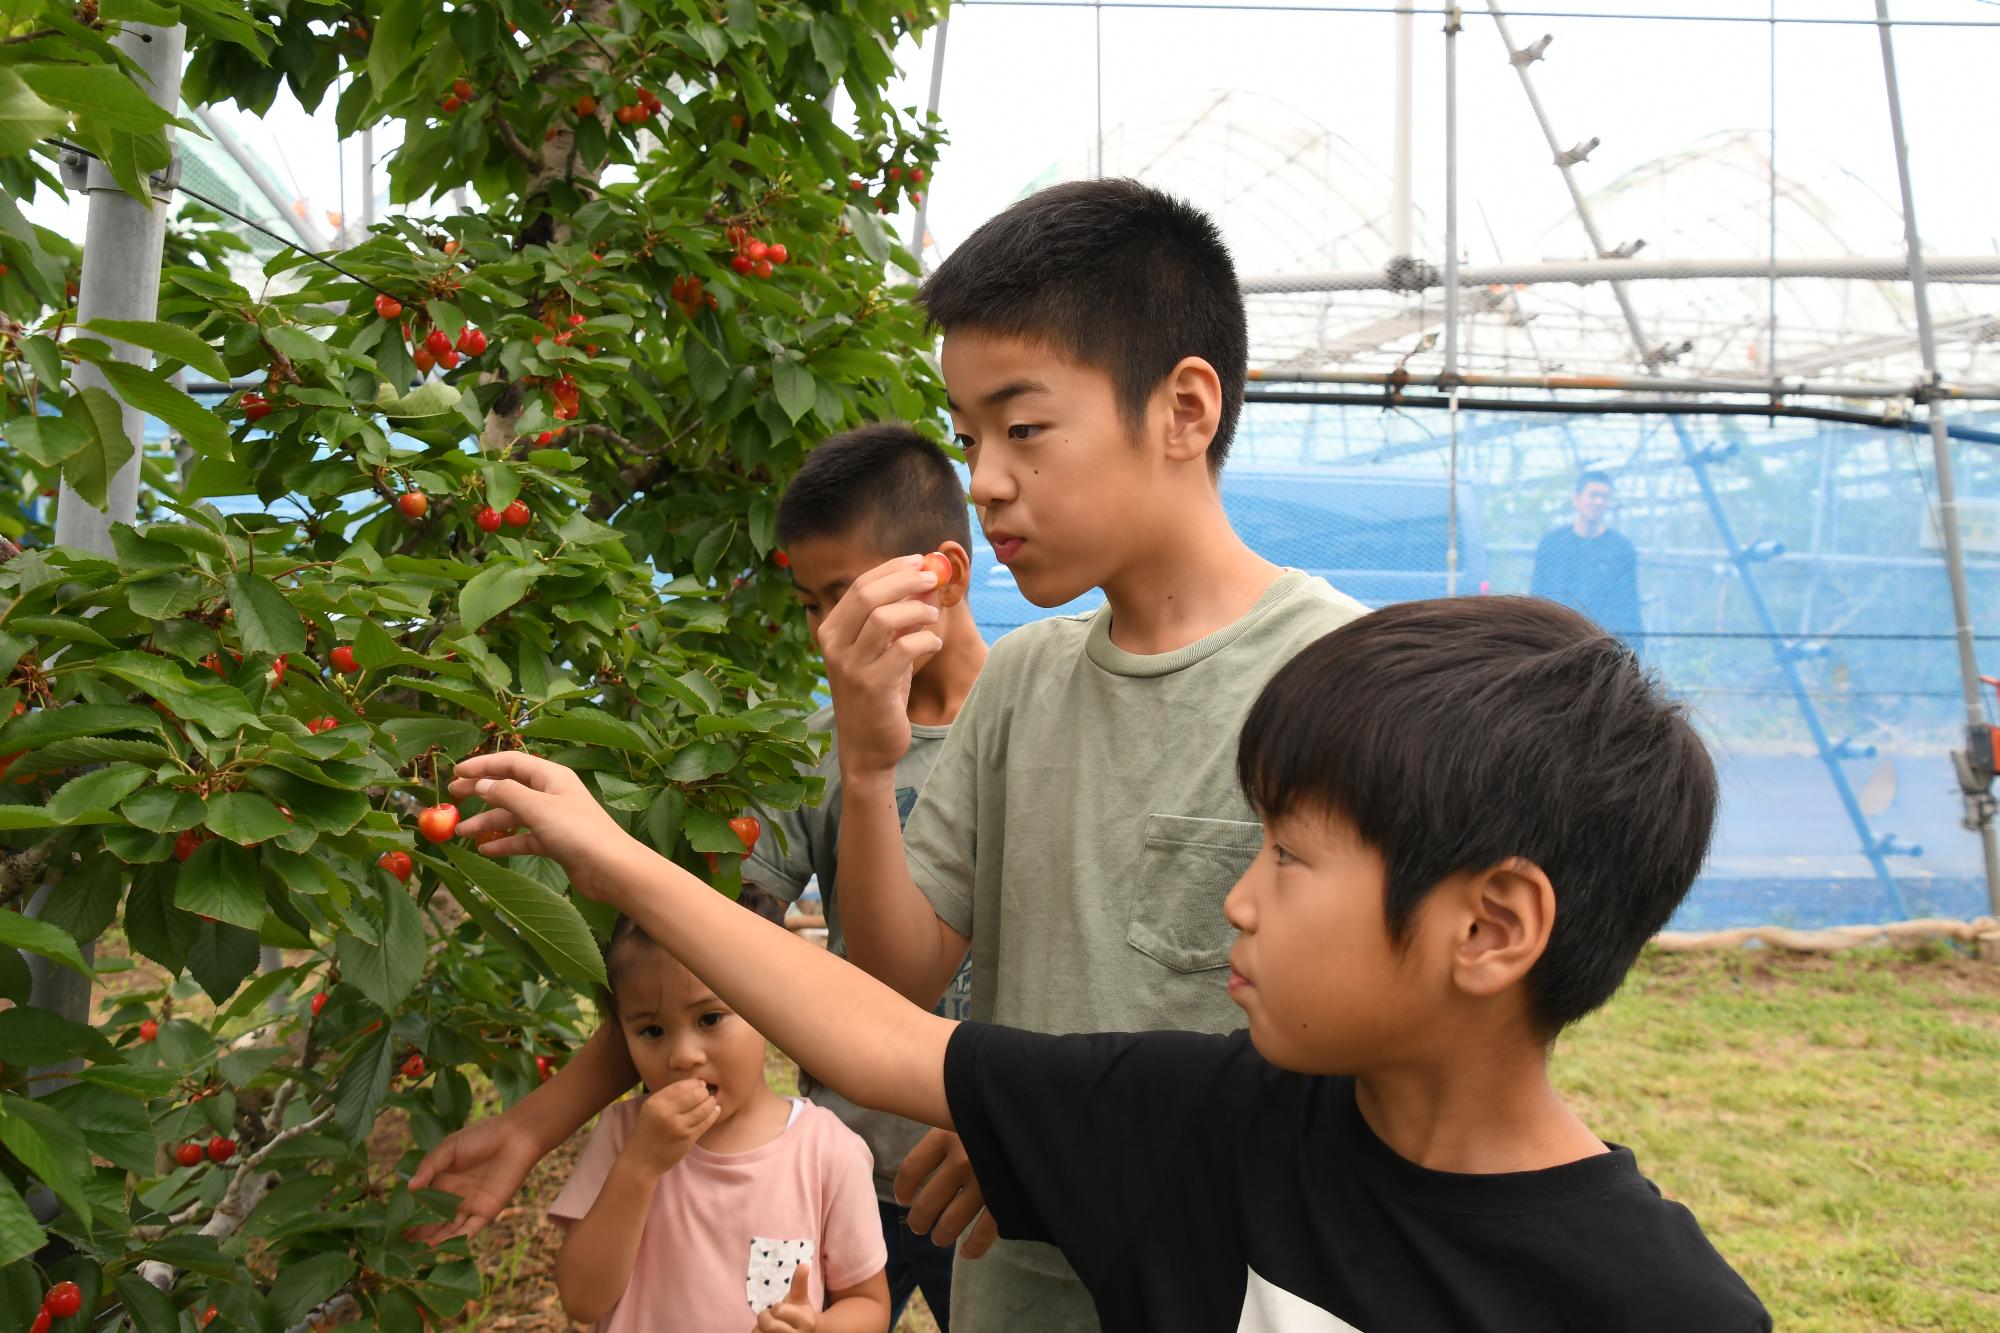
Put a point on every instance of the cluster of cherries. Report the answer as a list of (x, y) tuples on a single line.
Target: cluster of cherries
[(460, 94), (62, 1300), (643, 106), (896, 178), (755, 255), (687, 291), (219, 1150)]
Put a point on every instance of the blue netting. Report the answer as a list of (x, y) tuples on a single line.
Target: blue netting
[(1834, 533)]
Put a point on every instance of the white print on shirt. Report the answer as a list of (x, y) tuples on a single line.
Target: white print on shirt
[(772, 1263), (1268, 1308)]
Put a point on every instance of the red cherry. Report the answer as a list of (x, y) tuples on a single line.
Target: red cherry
[(64, 1299), (471, 341), (630, 115), (449, 360), (438, 822), (413, 1067), (488, 519), (220, 1149), (742, 264), (781, 560), (517, 514), (756, 249), (318, 1003), (746, 828), (343, 661), (451, 103), (778, 254), (763, 268), (42, 1320), (916, 196), (855, 184), (398, 864), (188, 1154), (208, 1315), (917, 174), (437, 342), (423, 360), (894, 173), (586, 105), (461, 89), (255, 407), (577, 321), (546, 437), (184, 847), (937, 564), (563, 338), (148, 1030), (388, 307), (544, 1067), (414, 504)]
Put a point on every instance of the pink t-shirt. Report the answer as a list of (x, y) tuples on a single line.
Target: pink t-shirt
[(726, 1230)]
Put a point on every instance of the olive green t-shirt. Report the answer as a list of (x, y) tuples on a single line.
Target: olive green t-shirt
[(1082, 825)]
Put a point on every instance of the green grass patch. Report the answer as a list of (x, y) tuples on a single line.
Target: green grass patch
[(1834, 1123)]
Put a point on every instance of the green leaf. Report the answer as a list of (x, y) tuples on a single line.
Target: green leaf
[(147, 1306), (25, 119), (100, 93), (710, 832), (189, 536), (663, 819), (298, 344), (50, 941), (47, 441), (49, 1146), (266, 620), (29, 816), (411, 736), (157, 929), (68, 628), (476, 704), (503, 483), (305, 1283), (115, 1126), (362, 1085), (392, 46), (149, 392), (46, 726), (220, 957), (492, 590), (106, 447), (244, 817), (86, 900), (708, 372), (546, 919), (373, 648), (797, 389), (20, 1236), (33, 1036), (99, 790), (163, 809), (220, 708), (220, 880), (387, 973), (168, 340), (700, 759), (589, 727)]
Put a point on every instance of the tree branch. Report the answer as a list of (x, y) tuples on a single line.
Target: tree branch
[(512, 139), (22, 871)]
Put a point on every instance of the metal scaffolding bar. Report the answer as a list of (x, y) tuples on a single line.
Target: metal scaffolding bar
[(1976, 771), (1772, 388), (1583, 272)]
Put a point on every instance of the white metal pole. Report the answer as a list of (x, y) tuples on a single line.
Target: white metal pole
[(1406, 63), (123, 239), (937, 92), (368, 179), (1452, 23), (1978, 797)]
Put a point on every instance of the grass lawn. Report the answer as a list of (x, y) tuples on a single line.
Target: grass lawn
[(1834, 1123)]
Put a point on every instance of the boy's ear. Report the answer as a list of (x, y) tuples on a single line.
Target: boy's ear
[(1193, 393), (952, 593), (1505, 915)]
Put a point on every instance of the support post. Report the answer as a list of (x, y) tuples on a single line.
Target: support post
[(937, 91), (1453, 21), (1975, 778), (1400, 242), (123, 239)]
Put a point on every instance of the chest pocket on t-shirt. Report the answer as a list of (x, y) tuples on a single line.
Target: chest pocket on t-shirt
[(1186, 869)]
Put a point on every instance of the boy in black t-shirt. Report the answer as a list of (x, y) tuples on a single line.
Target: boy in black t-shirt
[(1476, 811)]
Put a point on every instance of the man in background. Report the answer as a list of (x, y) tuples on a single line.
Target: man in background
[(1589, 566)]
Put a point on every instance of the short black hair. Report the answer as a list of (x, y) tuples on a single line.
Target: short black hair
[(625, 941), (1114, 274), (1596, 477), (1458, 733), (887, 482)]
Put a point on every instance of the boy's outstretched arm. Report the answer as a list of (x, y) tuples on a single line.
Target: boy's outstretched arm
[(871, 641), (485, 1163), (856, 1035)]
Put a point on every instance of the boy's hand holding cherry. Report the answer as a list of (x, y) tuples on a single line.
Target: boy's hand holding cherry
[(795, 1313), (872, 641), (549, 812), (672, 1121)]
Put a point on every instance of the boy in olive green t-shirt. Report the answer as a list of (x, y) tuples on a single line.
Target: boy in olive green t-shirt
[(1083, 823)]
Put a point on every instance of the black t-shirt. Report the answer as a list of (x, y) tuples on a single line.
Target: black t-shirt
[(1197, 1188)]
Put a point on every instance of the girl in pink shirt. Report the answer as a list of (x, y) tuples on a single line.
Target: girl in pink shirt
[(711, 1204)]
